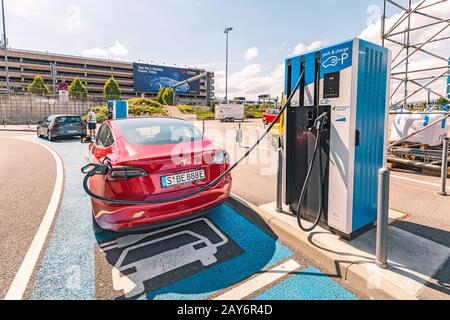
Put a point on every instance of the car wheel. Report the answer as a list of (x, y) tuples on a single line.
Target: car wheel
[(96, 227)]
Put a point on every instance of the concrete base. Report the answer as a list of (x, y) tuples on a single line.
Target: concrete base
[(413, 260)]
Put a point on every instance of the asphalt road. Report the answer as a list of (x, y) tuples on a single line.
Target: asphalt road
[(27, 173)]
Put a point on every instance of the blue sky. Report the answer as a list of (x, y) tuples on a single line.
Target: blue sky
[(191, 32)]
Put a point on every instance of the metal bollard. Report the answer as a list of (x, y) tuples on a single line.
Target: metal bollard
[(279, 204), (444, 172), (383, 218), (203, 127)]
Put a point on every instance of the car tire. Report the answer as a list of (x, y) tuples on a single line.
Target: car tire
[(96, 227)]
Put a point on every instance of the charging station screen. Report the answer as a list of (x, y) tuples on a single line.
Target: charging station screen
[(152, 78)]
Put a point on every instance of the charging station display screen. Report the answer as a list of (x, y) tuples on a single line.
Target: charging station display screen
[(331, 85), (149, 78)]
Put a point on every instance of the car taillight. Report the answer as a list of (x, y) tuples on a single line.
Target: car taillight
[(125, 173), (222, 158)]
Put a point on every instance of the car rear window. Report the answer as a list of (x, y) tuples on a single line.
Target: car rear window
[(151, 133), (68, 120)]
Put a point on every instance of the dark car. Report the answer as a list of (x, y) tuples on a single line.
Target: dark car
[(56, 126)]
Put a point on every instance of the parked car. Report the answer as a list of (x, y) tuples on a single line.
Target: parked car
[(55, 126), (155, 158), (270, 115)]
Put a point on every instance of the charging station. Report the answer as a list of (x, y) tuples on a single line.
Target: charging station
[(336, 134), (117, 109)]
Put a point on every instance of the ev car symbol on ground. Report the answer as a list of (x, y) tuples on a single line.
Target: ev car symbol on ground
[(130, 275)]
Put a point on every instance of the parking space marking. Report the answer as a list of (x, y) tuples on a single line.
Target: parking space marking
[(22, 278), (261, 252), (263, 280), (146, 269), (309, 284)]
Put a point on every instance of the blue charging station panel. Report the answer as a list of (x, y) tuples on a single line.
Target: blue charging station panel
[(118, 109)]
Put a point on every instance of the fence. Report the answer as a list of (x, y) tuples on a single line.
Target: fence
[(19, 109)]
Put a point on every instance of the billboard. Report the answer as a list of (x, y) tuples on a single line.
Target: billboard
[(151, 78)]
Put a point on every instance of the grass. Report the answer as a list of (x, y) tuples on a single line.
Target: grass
[(201, 113), (138, 107)]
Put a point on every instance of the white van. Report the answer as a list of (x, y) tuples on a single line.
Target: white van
[(230, 112)]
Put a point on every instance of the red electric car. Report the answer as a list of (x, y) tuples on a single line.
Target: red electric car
[(153, 159)]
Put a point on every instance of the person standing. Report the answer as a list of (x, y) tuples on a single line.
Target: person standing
[(92, 123)]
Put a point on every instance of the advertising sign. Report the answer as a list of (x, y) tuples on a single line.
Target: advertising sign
[(151, 78)]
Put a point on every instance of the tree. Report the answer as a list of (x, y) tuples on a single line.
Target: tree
[(38, 87), (159, 96), (442, 102), (111, 91), (167, 96), (78, 90)]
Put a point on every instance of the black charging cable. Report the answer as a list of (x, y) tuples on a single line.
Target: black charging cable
[(102, 169), (319, 126)]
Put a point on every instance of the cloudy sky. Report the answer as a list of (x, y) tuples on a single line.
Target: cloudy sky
[(180, 32)]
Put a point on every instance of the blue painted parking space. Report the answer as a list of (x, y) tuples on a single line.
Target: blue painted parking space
[(308, 284), (194, 260)]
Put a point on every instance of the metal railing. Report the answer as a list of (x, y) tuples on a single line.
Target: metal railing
[(26, 109)]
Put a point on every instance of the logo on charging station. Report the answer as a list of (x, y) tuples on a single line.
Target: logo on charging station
[(337, 58)]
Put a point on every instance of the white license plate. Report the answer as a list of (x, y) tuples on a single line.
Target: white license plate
[(180, 179), (72, 131)]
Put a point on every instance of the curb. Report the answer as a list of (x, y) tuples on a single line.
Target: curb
[(17, 130), (355, 274)]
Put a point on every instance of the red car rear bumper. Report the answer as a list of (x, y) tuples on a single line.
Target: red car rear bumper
[(121, 218)]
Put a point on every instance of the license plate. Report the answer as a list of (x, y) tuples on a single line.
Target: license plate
[(180, 179), (72, 131)]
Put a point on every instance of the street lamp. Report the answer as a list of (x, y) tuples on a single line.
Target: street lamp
[(5, 44), (227, 31)]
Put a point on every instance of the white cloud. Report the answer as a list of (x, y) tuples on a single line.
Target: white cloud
[(74, 21), (118, 49), (303, 48), (418, 60), (251, 53), (251, 82)]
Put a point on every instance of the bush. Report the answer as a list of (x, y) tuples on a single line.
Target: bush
[(136, 108), (139, 107), (167, 97), (159, 96), (100, 112)]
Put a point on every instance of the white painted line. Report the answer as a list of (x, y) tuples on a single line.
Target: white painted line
[(23, 276), (418, 181), (260, 281)]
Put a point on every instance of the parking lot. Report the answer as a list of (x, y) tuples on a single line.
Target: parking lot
[(228, 254), (51, 251)]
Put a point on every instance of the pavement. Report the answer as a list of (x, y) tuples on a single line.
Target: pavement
[(25, 192), (219, 256), (76, 265)]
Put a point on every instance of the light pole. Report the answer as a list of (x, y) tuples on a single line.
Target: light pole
[(227, 31), (6, 48)]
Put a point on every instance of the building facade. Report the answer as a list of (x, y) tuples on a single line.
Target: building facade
[(53, 68)]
